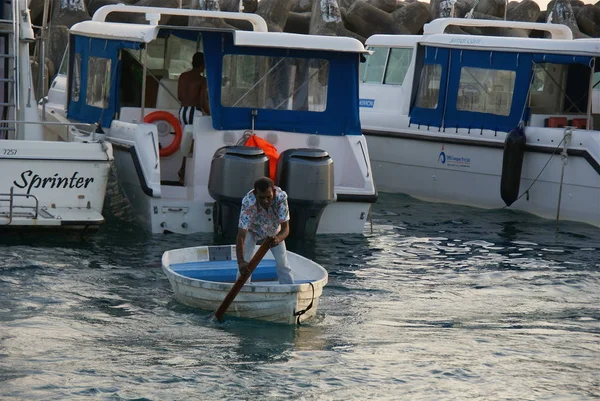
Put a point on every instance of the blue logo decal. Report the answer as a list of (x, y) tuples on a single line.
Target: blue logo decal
[(366, 103), (442, 156), (451, 160)]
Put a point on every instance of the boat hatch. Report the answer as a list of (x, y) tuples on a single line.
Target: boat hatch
[(478, 89)]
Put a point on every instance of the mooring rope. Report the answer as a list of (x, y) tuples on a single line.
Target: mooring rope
[(541, 171), (303, 311)]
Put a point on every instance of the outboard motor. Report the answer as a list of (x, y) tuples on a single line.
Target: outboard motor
[(514, 150), (307, 177), (233, 171)]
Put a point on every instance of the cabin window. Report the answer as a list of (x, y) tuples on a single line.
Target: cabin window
[(484, 90), (64, 64), (429, 86), (280, 83), (546, 92), (371, 71), (179, 55), (397, 66), (559, 88), (76, 83), (98, 83)]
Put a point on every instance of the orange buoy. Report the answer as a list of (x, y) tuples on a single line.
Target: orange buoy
[(174, 121)]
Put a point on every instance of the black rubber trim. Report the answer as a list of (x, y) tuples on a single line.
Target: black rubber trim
[(81, 223), (371, 198), (475, 142), (136, 163)]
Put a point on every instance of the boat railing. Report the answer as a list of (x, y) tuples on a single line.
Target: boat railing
[(153, 14), (557, 31), (18, 210), (81, 127)]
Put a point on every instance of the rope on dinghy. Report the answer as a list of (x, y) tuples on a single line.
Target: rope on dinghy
[(303, 311)]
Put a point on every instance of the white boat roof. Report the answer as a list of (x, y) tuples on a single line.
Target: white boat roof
[(583, 47), (562, 41), (393, 40), (512, 44), (147, 33)]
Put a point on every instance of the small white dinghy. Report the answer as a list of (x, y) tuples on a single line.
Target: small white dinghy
[(202, 276)]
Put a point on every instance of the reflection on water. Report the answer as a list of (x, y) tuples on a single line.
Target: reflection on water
[(438, 302)]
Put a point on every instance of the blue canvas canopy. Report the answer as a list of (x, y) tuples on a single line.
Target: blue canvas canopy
[(341, 115), (452, 61), (86, 47)]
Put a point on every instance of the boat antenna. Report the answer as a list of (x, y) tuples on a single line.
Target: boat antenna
[(254, 113), (42, 55)]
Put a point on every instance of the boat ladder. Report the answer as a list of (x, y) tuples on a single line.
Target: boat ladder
[(10, 76), (18, 210)]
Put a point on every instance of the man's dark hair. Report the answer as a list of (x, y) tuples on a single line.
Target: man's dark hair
[(198, 60), (262, 184)]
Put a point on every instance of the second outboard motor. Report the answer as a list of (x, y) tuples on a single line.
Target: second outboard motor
[(514, 150), (307, 177), (233, 171)]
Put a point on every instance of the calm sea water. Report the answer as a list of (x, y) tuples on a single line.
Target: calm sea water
[(434, 302)]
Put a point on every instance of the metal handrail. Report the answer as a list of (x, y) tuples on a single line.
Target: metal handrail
[(557, 31), (11, 195), (153, 14), (86, 125)]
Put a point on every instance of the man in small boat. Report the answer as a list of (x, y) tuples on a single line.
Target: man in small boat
[(264, 214)]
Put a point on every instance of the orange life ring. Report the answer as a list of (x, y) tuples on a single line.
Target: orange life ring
[(174, 121)]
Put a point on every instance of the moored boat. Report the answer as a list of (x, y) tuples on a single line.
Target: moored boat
[(484, 121), (45, 184), (295, 94), (202, 276)]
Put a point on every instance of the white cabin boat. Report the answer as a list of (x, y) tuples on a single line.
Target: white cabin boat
[(202, 276), (298, 92), (44, 185), (437, 111)]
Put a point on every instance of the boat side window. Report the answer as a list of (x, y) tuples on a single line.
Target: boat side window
[(397, 66), (280, 83), (547, 88), (179, 55), (429, 86), (483, 90), (64, 64), (76, 83), (371, 71), (98, 82)]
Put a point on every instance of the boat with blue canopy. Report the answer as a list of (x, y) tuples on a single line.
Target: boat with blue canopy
[(294, 95), (487, 121)]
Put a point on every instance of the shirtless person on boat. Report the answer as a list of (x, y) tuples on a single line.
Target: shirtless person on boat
[(192, 91), (264, 214)]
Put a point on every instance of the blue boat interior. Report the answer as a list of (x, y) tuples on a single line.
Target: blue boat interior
[(224, 271)]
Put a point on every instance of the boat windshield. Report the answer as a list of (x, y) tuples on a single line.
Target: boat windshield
[(279, 83)]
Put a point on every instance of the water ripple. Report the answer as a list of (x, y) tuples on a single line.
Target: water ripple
[(437, 302)]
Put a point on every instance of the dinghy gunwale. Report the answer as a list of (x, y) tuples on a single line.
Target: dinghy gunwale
[(275, 287)]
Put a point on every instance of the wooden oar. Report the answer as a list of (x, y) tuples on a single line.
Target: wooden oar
[(237, 286)]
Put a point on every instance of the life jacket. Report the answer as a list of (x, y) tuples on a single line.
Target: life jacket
[(270, 151)]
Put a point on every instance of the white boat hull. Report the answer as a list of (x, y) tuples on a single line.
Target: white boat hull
[(261, 300), (189, 209), (53, 184), (471, 173)]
